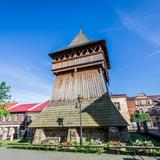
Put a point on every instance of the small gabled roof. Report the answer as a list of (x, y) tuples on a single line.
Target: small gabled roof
[(79, 39)]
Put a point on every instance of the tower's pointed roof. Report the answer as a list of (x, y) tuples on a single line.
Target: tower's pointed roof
[(79, 39)]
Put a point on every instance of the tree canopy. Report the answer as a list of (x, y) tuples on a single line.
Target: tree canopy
[(140, 117), (4, 98)]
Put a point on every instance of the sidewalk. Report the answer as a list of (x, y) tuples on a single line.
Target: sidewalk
[(15, 154)]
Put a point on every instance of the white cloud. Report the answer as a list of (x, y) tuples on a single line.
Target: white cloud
[(23, 75), (143, 21), (28, 85), (26, 96), (153, 54)]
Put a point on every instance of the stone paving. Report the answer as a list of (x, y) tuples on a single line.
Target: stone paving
[(15, 154)]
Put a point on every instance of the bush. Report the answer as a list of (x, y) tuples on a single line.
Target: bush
[(49, 141), (148, 140), (143, 143), (140, 117)]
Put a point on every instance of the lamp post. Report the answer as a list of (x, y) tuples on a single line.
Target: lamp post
[(81, 134)]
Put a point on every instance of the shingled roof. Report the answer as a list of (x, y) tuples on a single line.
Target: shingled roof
[(95, 112), (79, 39)]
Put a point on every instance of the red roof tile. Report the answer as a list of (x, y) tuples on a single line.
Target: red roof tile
[(38, 107), (22, 107), (10, 104)]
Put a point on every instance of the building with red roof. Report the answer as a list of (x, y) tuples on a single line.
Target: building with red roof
[(21, 108), (8, 105), (19, 119)]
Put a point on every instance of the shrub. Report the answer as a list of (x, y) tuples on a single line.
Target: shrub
[(49, 141), (143, 143)]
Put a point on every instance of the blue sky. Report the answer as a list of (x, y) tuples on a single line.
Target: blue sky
[(30, 29)]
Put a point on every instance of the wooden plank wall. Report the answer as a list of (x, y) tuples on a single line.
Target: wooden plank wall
[(87, 83)]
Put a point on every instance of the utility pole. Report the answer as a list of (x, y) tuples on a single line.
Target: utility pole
[(81, 134)]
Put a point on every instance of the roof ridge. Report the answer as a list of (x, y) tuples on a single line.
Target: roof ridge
[(79, 39)]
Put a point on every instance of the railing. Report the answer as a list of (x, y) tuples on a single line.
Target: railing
[(134, 149), (59, 147), (84, 146), (56, 145), (88, 148)]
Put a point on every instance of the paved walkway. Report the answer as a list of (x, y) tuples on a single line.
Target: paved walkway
[(15, 154)]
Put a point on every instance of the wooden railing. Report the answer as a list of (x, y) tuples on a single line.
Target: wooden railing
[(133, 147), (56, 145), (89, 148), (84, 146)]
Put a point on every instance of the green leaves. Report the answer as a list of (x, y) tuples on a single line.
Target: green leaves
[(140, 117), (4, 98), (4, 90), (4, 112)]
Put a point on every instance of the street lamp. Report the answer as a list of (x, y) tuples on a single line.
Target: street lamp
[(81, 134)]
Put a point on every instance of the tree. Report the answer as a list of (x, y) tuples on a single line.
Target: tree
[(4, 98), (140, 117)]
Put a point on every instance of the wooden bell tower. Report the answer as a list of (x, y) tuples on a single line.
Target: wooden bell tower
[(81, 69)]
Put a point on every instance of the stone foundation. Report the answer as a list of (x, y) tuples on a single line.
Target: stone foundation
[(73, 134), (39, 136), (95, 133)]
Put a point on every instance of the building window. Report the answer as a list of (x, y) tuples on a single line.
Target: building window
[(158, 110), (138, 102), (8, 118), (147, 102), (141, 110), (117, 104), (22, 117), (149, 110), (4, 119), (15, 118)]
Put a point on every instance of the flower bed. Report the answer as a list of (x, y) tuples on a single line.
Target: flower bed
[(138, 145)]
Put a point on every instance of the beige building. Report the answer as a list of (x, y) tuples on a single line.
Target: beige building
[(143, 103), (120, 101)]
